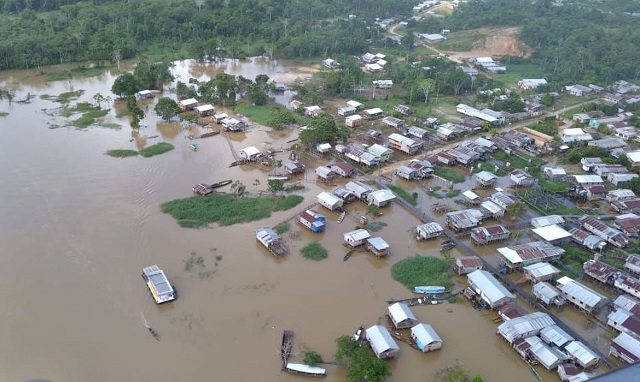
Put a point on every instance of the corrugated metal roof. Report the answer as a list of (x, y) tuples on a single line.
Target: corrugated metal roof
[(400, 312), (490, 288), (554, 334), (430, 228), (357, 235), (547, 290), (541, 269), (549, 358), (581, 352), (629, 344), (425, 334), (378, 243), (470, 195), (486, 176), (588, 179), (329, 198), (582, 293), (628, 303), (380, 339), (382, 196), (491, 207), (527, 325), (551, 232)]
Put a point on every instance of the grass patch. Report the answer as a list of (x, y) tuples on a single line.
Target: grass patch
[(450, 173), (80, 71), (282, 228), (553, 186), (314, 251), (516, 72), (422, 270), (264, 114), (404, 194), (462, 41), (433, 192), (517, 161), (89, 118), (484, 166), (118, 153), (375, 226), (293, 188), (157, 149), (453, 193), (3, 113), (226, 209)]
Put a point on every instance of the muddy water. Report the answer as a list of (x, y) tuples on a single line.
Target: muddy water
[(77, 226)]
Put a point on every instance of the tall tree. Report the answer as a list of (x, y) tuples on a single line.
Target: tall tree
[(166, 108)]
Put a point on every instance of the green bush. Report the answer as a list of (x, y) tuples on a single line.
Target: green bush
[(314, 251), (404, 194), (157, 149), (119, 153)]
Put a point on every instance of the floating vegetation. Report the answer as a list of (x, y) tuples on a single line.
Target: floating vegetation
[(375, 226), (282, 228), (421, 270), (314, 251), (195, 264), (157, 149), (63, 97), (122, 153), (226, 209)]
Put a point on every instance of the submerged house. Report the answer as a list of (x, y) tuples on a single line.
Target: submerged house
[(343, 169), (548, 294), (188, 104), (381, 198), (204, 110), (378, 246), (360, 190), (330, 201), (344, 194), (356, 238), (465, 219), (489, 289), (272, 241), (294, 167), (526, 326), (250, 153), (313, 220), (428, 231), (407, 173), (426, 338), (467, 264), (401, 316), (325, 173), (382, 344)]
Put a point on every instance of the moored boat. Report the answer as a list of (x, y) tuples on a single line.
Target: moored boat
[(429, 289), (221, 183), (302, 369), (348, 255), (158, 284), (193, 147)]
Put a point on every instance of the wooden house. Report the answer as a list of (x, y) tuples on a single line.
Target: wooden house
[(402, 109), (250, 153), (417, 132), (580, 295), (626, 347), (632, 264), (521, 255), (404, 144), (202, 189), (204, 110), (381, 198), (394, 122), (312, 111), (522, 178), (542, 271), (424, 169), (353, 121), (429, 231), (272, 241), (383, 154), (587, 240), (581, 354), (492, 293), (346, 195), (219, 117), (346, 111), (605, 232), (548, 294), (313, 220), (464, 219), (343, 169), (143, 94), (467, 264), (188, 104), (407, 173), (485, 178), (330, 201), (325, 173), (378, 246), (361, 190), (425, 338), (294, 167), (356, 238), (489, 234)]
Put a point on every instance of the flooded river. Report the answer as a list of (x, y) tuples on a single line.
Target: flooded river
[(78, 226)]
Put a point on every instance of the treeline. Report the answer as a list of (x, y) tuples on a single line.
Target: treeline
[(43, 32), (572, 42)]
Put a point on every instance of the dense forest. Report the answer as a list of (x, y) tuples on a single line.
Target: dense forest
[(44, 32), (573, 42)]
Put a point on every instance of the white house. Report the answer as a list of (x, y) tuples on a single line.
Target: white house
[(382, 344), (426, 338), (330, 201), (401, 316), (356, 238)]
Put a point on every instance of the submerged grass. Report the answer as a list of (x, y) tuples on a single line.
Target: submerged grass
[(314, 251), (450, 173), (63, 97), (80, 71), (121, 153), (282, 228), (404, 194), (421, 270), (226, 209), (157, 149)]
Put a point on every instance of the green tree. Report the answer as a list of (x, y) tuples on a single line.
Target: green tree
[(126, 84), (477, 378), (166, 108), (311, 358), (257, 96), (425, 86), (275, 185), (184, 91), (323, 129), (362, 364)]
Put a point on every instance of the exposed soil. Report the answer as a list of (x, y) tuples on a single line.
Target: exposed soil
[(497, 42)]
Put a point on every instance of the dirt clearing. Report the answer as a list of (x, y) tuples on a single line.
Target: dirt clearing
[(491, 42)]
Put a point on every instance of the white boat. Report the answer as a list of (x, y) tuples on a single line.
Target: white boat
[(302, 369), (158, 284), (429, 289)]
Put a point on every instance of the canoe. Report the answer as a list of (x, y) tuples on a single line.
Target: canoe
[(221, 183), (278, 177), (193, 147), (347, 256), (429, 289)]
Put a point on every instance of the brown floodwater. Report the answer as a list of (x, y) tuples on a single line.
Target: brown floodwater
[(78, 226)]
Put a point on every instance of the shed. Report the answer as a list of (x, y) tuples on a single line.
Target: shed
[(467, 264), (202, 189), (426, 338), (401, 316), (250, 153), (489, 289), (382, 344), (554, 336), (204, 110), (554, 234), (381, 198), (373, 113), (360, 189), (548, 294), (521, 327), (428, 231), (330, 201), (626, 348), (378, 246), (356, 238), (323, 148), (582, 355), (313, 220), (540, 272)]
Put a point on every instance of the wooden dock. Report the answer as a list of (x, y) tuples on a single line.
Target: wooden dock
[(415, 301), (286, 347)]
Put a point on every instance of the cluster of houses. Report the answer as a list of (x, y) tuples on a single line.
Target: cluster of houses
[(488, 64), (493, 207), (423, 337), (208, 110), (373, 63), (353, 190)]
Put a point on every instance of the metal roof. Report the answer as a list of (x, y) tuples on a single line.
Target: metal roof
[(588, 179), (554, 334), (380, 339), (486, 176), (537, 250), (541, 269), (548, 357), (526, 325), (547, 290), (544, 221), (375, 110), (470, 195), (551, 232), (250, 151), (629, 344), (357, 235), (357, 187), (400, 312), (490, 288), (627, 302), (581, 352), (306, 369), (425, 334), (206, 107), (379, 150), (323, 170), (382, 196), (582, 293), (329, 198)]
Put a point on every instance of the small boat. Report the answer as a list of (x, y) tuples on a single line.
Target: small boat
[(153, 333), (278, 177), (211, 134), (302, 369), (447, 245), (193, 147), (359, 334), (221, 183), (429, 289), (348, 255), (238, 162)]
